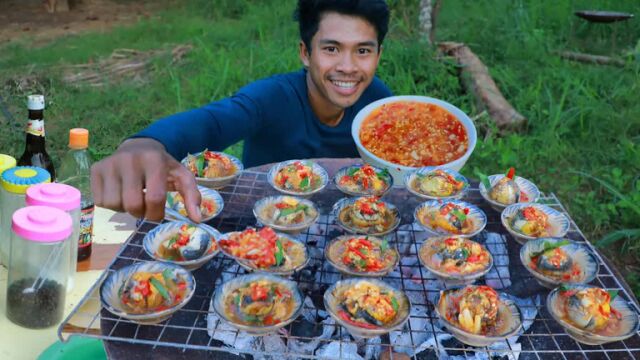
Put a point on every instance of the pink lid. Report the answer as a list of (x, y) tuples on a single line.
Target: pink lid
[(42, 224), (60, 196)]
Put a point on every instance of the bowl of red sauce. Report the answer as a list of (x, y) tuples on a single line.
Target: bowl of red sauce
[(403, 133)]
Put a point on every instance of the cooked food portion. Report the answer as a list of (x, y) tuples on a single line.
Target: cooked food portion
[(506, 190), (211, 164), (530, 221), (367, 305), (474, 309), (414, 134), (260, 303), (449, 217), (288, 211), (299, 177), (437, 183), (363, 254), (189, 243), (208, 206), (369, 215), (264, 249), (555, 262), (590, 309), (454, 255), (146, 292), (365, 180)]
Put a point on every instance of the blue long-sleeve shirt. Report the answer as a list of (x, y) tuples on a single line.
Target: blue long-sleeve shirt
[(274, 118)]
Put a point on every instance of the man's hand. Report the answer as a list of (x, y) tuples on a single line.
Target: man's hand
[(136, 179)]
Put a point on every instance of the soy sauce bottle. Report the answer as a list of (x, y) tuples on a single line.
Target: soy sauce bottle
[(35, 153)]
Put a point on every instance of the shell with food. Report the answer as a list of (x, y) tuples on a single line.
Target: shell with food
[(367, 308), (359, 255), (451, 217), (213, 169), (592, 315), (362, 180), (528, 221), (298, 177), (366, 215), (436, 183), (502, 190), (455, 259), (478, 315), (211, 203), (286, 213), (553, 261)]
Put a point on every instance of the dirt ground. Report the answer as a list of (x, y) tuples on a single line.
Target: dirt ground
[(30, 18)]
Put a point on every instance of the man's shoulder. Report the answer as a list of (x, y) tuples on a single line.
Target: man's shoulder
[(275, 86)]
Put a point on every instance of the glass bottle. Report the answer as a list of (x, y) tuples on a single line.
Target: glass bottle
[(75, 170), (35, 153)]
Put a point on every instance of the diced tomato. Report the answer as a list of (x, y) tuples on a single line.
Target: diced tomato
[(282, 205), (258, 292)]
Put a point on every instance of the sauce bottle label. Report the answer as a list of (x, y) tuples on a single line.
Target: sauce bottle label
[(86, 226), (35, 127)]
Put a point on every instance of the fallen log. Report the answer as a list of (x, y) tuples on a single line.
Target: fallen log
[(476, 79), (592, 59)]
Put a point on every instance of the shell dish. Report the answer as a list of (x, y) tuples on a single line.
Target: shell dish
[(435, 183), (259, 303), (213, 169), (366, 215), (210, 206), (265, 250), (505, 191), (477, 315), (455, 259), (367, 308), (528, 221), (452, 217), (362, 255), (298, 177), (363, 180), (590, 316), (554, 261), (286, 213)]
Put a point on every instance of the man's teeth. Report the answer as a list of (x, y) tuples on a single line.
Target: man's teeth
[(345, 84)]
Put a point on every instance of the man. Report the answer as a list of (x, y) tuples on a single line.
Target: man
[(305, 114)]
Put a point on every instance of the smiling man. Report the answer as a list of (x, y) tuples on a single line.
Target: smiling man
[(304, 114)]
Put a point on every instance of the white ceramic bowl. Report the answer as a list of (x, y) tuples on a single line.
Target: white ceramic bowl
[(398, 171)]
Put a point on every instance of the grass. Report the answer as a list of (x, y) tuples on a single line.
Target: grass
[(584, 120)]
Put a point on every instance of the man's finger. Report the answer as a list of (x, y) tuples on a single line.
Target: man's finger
[(132, 197), (112, 192), (185, 183), (155, 178), (96, 184)]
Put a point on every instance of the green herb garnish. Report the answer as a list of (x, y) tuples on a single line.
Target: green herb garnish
[(465, 253), (279, 253), (236, 299), (361, 263), (459, 214), (394, 304), (383, 175), (170, 201), (290, 210), (161, 289), (612, 294), (352, 171), (304, 183), (550, 246), (384, 246), (483, 178), (564, 287), (200, 164)]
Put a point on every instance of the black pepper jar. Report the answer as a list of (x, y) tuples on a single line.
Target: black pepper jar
[(38, 266)]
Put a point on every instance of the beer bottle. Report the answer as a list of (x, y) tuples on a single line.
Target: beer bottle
[(35, 153)]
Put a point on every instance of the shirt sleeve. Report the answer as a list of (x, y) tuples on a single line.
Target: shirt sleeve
[(214, 126)]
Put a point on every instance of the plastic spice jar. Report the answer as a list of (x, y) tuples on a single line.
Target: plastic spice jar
[(14, 183), (38, 266), (66, 198), (6, 162)]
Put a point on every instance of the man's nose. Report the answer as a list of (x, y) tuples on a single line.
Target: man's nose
[(347, 63)]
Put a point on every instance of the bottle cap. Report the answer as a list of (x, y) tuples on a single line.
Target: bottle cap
[(35, 102), (6, 162), (18, 179), (42, 224), (59, 196), (78, 138)]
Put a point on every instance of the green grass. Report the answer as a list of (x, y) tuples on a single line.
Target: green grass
[(583, 119)]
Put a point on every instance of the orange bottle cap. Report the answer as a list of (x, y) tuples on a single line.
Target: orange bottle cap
[(78, 138)]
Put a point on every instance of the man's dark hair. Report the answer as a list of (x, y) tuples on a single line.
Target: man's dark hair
[(309, 12)]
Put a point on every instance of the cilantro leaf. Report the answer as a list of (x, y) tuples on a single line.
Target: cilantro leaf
[(384, 246), (612, 294), (394, 304), (459, 214), (550, 246), (304, 183), (483, 178), (352, 171), (279, 253)]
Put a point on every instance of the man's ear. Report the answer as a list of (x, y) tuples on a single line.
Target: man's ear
[(304, 54)]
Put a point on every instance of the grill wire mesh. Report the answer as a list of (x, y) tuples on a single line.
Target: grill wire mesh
[(187, 328)]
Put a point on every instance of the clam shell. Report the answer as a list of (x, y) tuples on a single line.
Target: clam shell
[(332, 253), (333, 299), (450, 279), (527, 187), (298, 263), (558, 222), (111, 300), (507, 310), (411, 177), (578, 252), (317, 170), (343, 203), (477, 216), (262, 205), (217, 183), (388, 179), (556, 306), (205, 193), (217, 302), (160, 233)]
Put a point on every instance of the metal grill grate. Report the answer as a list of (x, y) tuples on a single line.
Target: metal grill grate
[(187, 329)]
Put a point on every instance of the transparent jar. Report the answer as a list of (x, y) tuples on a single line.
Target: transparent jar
[(6, 162), (38, 266), (66, 198), (14, 183)]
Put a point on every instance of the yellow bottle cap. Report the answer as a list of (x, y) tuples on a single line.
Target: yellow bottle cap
[(78, 138), (18, 179), (6, 162)]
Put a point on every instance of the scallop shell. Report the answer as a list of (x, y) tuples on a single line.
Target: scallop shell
[(449, 279), (217, 183), (217, 302), (317, 170), (527, 187), (558, 222), (578, 253), (115, 280), (262, 204), (344, 203), (205, 193), (411, 177), (331, 251), (476, 215), (388, 179)]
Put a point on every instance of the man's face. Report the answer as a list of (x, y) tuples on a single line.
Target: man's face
[(341, 64)]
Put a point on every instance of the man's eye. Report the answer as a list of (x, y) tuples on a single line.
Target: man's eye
[(331, 49), (363, 51)]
